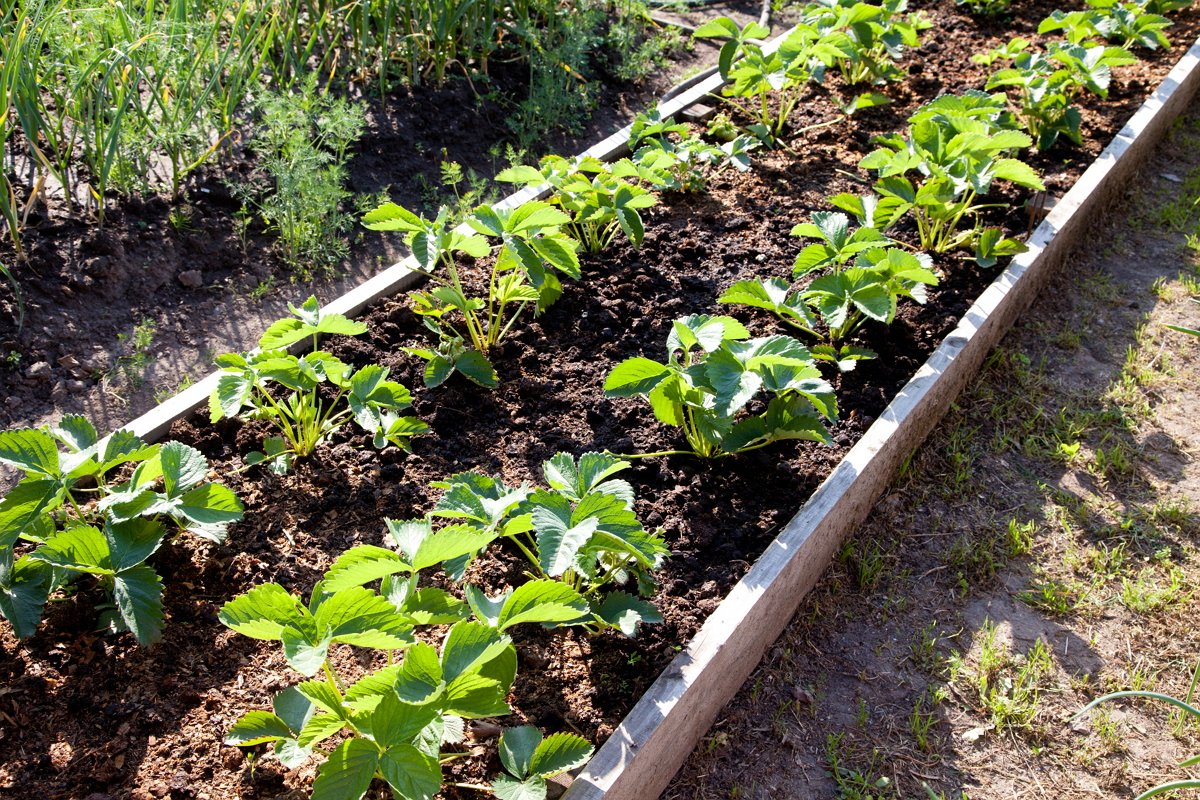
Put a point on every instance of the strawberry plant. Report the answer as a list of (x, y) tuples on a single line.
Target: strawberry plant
[(581, 538), (847, 297), (937, 172), (596, 196), (712, 371), (285, 390), (1128, 23), (87, 522), (392, 723), (531, 759), (877, 36), (1048, 83), (532, 250), (784, 74), (681, 164)]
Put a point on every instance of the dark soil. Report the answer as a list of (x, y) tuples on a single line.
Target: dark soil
[(90, 714)]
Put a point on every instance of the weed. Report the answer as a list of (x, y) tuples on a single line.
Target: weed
[(1146, 595), (1056, 598), (137, 344), (852, 784), (924, 649), (866, 562), (920, 722), (715, 742), (1018, 539), (164, 393), (1007, 684), (262, 289)]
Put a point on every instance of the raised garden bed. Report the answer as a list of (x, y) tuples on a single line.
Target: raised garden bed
[(170, 705)]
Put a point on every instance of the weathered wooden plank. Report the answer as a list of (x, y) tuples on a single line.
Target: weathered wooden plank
[(641, 757)]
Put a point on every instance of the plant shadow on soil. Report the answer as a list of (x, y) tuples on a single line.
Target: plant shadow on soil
[(1056, 441)]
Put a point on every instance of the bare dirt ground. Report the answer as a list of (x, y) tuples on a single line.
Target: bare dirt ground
[(1039, 550)]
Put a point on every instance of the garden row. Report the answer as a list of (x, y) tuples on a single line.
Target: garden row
[(572, 558), (104, 104)]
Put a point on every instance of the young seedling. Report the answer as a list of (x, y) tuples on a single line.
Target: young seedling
[(870, 289), (85, 523), (532, 249), (285, 390), (597, 197), (581, 538), (394, 721), (681, 164), (712, 371), (1049, 83), (877, 36), (783, 74), (938, 171)]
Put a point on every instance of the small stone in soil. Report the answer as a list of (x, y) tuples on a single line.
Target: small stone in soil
[(38, 371), (191, 278)]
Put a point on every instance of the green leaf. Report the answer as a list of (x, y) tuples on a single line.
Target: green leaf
[(1018, 172), (634, 376), (476, 696), (182, 467), (232, 392), (391, 217), (361, 565), (347, 773), (81, 548), (76, 432), (364, 695), (290, 754), (506, 788), (477, 368), (27, 507), (320, 728), (24, 589), (576, 480), (521, 174), (545, 602), (358, 616), (32, 451), (413, 775), (263, 612), (257, 727), (132, 542), (450, 543), (393, 721), (625, 612), (433, 606), (437, 370), (487, 609), (559, 540), (420, 678), (293, 708), (138, 593), (469, 646), (709, 332), (517, 746), (304, 646), (322, 696), (558, 753), (211, 504)]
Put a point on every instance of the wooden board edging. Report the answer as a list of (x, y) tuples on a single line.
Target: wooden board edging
[(642, 756)]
